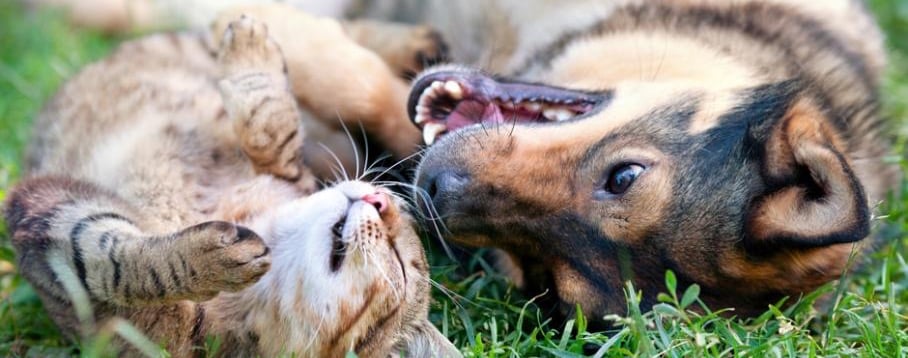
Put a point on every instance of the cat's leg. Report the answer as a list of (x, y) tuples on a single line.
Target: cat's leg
[(257, 97), (335, 78), (70, 233)]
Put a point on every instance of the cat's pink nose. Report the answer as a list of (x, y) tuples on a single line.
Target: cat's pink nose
[(379, 200)]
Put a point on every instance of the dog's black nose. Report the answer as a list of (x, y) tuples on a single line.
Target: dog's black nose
[(446, 185), (441, 188)]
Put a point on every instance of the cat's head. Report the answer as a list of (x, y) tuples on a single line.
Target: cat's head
[(349, 273)]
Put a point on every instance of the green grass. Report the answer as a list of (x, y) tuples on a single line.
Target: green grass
[(864, 314), (38, 52)]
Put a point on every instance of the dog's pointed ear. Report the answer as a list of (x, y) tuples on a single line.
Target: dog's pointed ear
[(812, 198), (424, 340)]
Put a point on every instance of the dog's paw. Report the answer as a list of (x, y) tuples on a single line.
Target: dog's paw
[(425, 47)]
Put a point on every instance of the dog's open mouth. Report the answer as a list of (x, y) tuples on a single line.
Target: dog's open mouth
[(446, 101)]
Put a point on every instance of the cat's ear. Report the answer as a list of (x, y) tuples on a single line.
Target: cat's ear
[(424, 340)]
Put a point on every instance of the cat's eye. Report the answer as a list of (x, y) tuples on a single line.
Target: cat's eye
[(338, 229), (622, 177)]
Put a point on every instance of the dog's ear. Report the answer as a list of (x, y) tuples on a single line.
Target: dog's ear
[(812, 197)]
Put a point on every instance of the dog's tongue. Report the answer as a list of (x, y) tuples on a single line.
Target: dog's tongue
[(492, 114), (465, 114)]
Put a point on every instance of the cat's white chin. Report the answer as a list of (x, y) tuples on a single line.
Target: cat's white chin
[(332, 249)]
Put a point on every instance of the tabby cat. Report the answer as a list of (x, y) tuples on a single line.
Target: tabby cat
[(165, 183)]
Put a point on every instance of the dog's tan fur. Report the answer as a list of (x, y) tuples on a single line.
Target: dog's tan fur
[(528, 187), (145, 165)]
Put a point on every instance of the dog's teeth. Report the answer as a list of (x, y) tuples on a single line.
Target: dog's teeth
[(431, 130), (426, 96), (422, 109), (453, 89), (557, 113), (419, 118), (508, 105), (437, 85), (532, 106), (563, 115)]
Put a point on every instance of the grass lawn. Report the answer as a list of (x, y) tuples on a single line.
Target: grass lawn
[(864, 314)]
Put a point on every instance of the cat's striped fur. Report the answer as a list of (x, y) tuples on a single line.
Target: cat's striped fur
[(148, 167)]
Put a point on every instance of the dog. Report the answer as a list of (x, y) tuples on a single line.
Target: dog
[(736, 144)]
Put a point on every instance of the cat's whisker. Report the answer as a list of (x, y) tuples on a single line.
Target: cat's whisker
[(399, 162), (353, 145), (453, 296), (423, 195), (412, 202), (317, 331), (366, 149), (374, 168), (340, 165), (450, 294), (438, 223), (383, 272)]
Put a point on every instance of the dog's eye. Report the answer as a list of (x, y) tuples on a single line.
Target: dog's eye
[(622, 177)]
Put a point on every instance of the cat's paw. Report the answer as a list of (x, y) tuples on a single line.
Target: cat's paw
[(224, 257), (257, 97), (246, 47)]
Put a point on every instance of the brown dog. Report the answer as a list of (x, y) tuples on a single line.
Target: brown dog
[(735, 143)]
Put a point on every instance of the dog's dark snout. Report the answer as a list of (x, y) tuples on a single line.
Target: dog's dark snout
[(445, 185), (440, 188)]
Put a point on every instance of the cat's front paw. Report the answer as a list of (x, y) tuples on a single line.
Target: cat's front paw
[(257, 97), (224, 257), (246, 47)]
